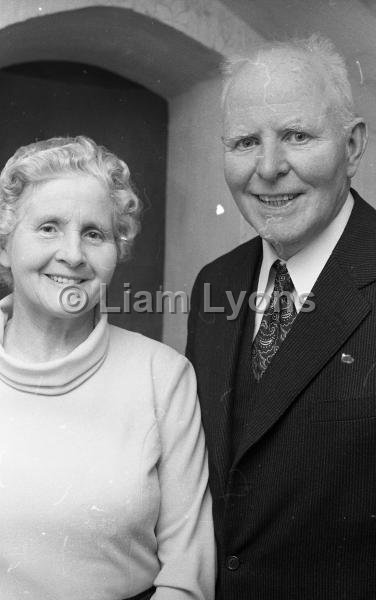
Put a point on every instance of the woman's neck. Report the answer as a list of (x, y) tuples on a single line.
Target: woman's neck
[(34, 339)]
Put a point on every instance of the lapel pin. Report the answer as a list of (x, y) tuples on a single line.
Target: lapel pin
[(347, 359)]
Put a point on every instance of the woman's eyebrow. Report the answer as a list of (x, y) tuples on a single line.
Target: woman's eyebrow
[(50, 217), (97, 225)]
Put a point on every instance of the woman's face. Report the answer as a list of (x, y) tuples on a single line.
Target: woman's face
[(62, 248)]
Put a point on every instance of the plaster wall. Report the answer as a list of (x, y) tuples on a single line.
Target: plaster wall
[(202, 220)]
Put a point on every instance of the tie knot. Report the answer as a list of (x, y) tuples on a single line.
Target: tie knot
[(282, 277)]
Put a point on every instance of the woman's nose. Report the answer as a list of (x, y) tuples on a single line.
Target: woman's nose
[(271, 162), (70, 250)]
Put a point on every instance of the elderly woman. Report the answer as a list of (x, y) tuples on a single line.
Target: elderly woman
[(103, 475)]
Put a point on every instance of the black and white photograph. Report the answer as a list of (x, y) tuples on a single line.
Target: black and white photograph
[(187, 300)]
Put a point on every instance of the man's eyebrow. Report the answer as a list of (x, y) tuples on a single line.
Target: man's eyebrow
[(297, 122), (302, 122)]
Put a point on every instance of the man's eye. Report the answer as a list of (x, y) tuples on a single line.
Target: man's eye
[(298, 137), (245, 143)]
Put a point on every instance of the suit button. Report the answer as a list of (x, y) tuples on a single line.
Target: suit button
[(232, 563)]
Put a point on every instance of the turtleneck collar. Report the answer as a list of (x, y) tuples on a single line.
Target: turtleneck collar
[(57, 376)]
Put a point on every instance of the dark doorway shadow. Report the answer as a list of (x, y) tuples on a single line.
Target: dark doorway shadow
[(39, 100)]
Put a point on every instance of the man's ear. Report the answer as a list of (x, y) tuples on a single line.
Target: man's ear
[(356, 145)]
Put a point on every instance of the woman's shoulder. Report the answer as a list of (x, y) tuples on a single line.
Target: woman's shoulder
[(160, 371), (125, 342)]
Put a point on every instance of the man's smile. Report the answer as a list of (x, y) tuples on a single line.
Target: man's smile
[(276, 200)]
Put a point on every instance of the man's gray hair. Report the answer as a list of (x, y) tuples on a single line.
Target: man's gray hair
[(317, 48)]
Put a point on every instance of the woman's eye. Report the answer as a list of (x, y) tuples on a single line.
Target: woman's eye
[(245, 143), (48, 229), (298, 136), (94, 235)]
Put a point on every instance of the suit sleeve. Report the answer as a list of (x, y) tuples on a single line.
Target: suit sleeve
[(186, 547)]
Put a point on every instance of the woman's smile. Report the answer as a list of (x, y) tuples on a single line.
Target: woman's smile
[(63, 280)]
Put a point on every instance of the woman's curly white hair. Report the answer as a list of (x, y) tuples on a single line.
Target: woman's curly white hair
[(60, 156)]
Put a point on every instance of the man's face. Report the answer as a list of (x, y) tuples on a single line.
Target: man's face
[(286, 153)]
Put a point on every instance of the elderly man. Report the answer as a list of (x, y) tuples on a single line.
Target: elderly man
[(288, 391)]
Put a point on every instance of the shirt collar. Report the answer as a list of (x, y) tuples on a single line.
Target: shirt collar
[(306, 265)]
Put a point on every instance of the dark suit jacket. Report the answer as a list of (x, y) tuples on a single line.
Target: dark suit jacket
[(295, 504)]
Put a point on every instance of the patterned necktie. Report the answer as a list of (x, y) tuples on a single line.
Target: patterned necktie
[(276, 321)]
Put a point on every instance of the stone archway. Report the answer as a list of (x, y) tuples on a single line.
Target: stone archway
[(123, 41)]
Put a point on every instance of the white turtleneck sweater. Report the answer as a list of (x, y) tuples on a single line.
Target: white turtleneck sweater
[(103, 474)]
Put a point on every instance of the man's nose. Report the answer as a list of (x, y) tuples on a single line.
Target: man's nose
[(71, 250), (271, 161)]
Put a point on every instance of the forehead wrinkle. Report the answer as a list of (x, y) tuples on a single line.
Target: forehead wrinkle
[(99, 221), (75, 214), (90, 222), (48, 214), (240, 113), (268, 78), (247, 120), (269, 65)]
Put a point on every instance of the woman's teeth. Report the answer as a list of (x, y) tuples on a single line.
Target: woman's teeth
[(276, 200), (64, 280)]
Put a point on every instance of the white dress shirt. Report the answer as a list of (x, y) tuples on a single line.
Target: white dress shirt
[(304, 267)]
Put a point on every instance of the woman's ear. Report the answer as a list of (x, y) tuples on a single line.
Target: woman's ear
[(356, 145), (4, 258)]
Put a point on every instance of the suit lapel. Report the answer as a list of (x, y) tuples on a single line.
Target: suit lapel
[(316, 336), (224, 343)]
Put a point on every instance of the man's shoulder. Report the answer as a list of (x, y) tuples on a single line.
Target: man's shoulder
[(361, 226), (362, 205), (356, 249)]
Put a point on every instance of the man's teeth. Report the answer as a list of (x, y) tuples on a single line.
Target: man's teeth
[(64, 280), (277, 200)]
